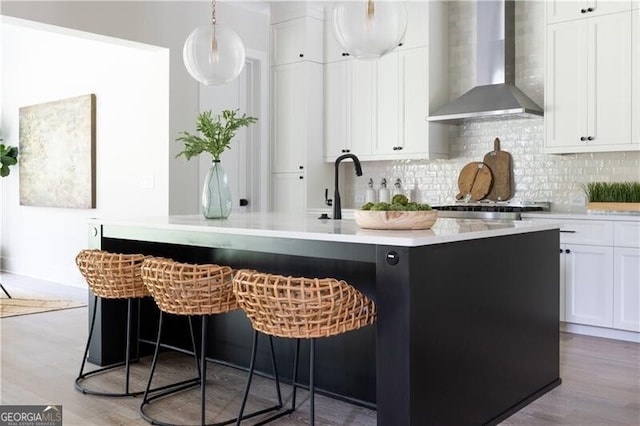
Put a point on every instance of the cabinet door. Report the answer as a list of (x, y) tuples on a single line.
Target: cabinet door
[(363, 127), (589, 285), (336, 119), (565, 10), (388, 100), (288, 193), (332, 50), (296, 40), (414, 79), (566, 84), (626, 288), (609, 65), (417, 34), (288, 124)]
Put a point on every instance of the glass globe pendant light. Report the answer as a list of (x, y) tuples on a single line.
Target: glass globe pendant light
[(213, 54), (369, 29)]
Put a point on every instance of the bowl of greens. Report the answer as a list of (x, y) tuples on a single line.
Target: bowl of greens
[(399, 214)]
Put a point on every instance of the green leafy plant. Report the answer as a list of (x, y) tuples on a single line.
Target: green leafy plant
[(8, 157), (399, 203), (217, 133), (612, 192)]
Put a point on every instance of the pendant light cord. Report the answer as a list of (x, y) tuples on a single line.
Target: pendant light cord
[(213, 12)]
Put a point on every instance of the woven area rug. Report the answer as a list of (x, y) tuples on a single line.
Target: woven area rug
[(14, 307)]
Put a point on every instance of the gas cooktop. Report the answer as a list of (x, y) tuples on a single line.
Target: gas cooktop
[(498, 210)]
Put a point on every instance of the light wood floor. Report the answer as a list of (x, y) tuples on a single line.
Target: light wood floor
[(40, 355)]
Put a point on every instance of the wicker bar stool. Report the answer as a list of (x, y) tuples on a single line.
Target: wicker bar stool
[(193, 290), (300, 308), (111, 276)]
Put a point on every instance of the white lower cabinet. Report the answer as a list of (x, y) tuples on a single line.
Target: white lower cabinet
[(588, 284), (626, 288), (600, 275)]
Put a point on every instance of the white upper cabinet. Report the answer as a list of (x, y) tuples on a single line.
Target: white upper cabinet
[(588, 87), (417, 34), (381, 107), (566, 10), (297, 40)]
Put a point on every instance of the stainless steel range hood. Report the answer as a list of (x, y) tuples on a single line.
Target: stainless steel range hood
[(495, 95)]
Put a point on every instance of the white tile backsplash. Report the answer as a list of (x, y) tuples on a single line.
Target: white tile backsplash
[(538, 176)]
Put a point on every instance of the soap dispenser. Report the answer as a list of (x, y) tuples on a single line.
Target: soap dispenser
[(370, 195), (397, 187), (383, 192)]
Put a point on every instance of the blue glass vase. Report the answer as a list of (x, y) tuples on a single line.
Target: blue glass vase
[(216, 194)]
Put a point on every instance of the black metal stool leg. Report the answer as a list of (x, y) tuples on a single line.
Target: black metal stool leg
[(5, 291), (168, 389), (86, 349), (294, 380), (252, 365), (312, 354), (274, 366), (127, 358), (203, 368), (154, 361), (193, 345)]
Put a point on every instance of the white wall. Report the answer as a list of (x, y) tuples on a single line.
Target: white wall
[(160, 23), (41, 63), (167, 24)]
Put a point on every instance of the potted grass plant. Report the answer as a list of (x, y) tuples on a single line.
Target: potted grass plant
[(217, 132), (613, 196)]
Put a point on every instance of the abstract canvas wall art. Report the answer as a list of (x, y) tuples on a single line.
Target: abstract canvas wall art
[(57, 153)]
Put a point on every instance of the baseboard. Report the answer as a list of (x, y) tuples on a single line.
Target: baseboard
[(608, 333)]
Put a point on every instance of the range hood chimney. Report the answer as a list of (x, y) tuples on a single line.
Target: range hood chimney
[(495, 95)]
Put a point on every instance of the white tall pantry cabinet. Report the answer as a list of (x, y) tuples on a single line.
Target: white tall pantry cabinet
[(297, 171)]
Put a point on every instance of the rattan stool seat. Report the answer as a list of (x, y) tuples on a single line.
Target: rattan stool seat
[(188, 289), (193, 290), (111, 276), (301, 308)]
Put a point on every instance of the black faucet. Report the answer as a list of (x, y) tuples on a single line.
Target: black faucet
[(337, 208)]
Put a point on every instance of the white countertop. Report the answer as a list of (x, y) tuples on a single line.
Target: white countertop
[(583, 215), (309, 227)]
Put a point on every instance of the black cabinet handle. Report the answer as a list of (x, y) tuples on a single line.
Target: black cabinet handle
[(301, 55), (590, 9), (345, 53), (590, 138), (567, 251), (244, 202), (300, 177), (301, 167), (583, 10), (400, 44), (346, 150), (583, 138), (567, 232), (561, 251)]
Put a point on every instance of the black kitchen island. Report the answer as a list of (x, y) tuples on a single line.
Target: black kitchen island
[(468, 317)]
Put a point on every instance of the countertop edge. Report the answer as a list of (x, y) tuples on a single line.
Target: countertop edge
[(329, 232)]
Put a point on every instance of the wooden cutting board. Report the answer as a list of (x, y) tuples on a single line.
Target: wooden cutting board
[(500, 163), (474, 181)]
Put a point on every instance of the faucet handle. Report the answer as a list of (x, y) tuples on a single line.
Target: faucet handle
[(327, 201)]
